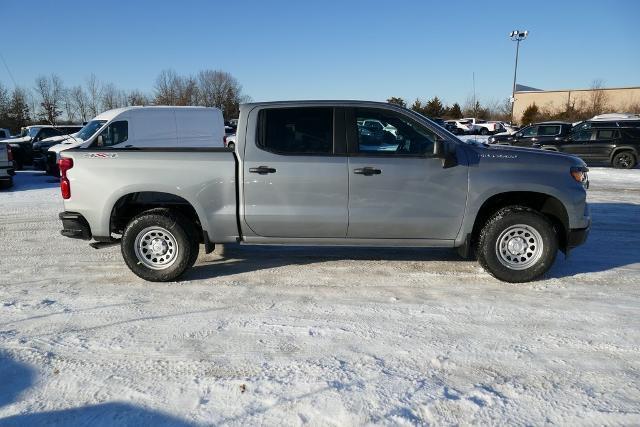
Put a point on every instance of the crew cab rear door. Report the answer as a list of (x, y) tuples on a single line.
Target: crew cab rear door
[(295, 181), (397, 189)]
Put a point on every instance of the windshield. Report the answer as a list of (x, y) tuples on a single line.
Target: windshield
[(90, 129), (31, 132)]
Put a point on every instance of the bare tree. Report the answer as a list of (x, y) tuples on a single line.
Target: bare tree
[(94, 91), (136, 97), (166, 88), (220, 89), (80, 101), (50, 92), (598, 98), (111, 97), (69, 106)]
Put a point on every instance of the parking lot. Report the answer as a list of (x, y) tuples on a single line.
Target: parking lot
[(328, 336)]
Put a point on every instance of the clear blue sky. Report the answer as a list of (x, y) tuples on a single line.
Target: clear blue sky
[(327, 49)]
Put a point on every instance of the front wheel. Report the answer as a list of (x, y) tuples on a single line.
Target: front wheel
[(624, 160), (159, 245), (517, 245)]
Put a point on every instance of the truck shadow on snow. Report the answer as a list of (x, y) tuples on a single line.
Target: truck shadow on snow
[(26, 180), (612, 243), (18, 377)]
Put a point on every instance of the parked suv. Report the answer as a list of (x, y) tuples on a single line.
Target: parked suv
[(537, 133), (602, 143)]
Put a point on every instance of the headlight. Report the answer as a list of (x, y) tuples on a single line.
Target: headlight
[(579, 173)]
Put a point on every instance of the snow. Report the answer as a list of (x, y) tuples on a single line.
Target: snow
[(319, 336)]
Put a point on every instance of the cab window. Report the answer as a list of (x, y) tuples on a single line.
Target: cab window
[(388, 133), (115, 133), (296, 130), (548, 130), (581, 135), (530, 131)]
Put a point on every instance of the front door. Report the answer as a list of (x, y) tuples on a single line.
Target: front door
[(295, 184), (397, 190)]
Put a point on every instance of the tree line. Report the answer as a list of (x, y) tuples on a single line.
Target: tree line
[(435, 108), (49, 101)]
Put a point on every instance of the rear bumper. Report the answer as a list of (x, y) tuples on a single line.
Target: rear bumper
[(75, 226)]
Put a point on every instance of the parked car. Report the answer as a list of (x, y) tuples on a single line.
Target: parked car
[(537, 133), (302, 174), (6, 166), (146, 127), (463, 126), (22, 146), (230, 141), (40, 148), (483, 127), (4, 133), (595, 143)]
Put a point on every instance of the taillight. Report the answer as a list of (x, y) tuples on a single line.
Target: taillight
[(224, 140), (9, 153), (64, 165)]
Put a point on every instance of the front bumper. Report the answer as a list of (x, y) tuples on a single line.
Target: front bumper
[(75, 226), (577, 237)]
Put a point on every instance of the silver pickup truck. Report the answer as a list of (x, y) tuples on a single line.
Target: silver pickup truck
[(318, 173)]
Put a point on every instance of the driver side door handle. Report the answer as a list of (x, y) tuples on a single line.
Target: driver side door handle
[(367, 171), (262, 170)]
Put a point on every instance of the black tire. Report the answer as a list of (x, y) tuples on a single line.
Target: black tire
[(624, 160), (532, 262), (484, 131), (176, 229)]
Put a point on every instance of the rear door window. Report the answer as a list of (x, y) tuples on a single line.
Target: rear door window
[(548, 130), (605, 134), (296, 130)]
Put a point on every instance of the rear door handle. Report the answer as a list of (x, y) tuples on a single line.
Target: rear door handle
[(367, 171), (262, 170)]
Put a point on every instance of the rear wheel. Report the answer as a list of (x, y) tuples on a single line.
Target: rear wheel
[(517, 244), (624, 160), (159, 245), (484, 131)]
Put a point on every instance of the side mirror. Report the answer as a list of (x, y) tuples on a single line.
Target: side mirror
[(519, 135), (441, 151)]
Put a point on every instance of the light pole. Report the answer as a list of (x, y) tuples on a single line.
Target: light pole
[(517, 36)]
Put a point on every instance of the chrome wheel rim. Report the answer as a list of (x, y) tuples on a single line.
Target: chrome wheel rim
[(519, 247), (156, 248)]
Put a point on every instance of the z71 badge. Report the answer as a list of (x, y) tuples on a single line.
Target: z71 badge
[(100, 155)]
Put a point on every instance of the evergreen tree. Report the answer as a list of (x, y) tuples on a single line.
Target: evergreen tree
[(18, 113), (455, 112), (434, 108), (530, 115), (418, 107), (397, 101)]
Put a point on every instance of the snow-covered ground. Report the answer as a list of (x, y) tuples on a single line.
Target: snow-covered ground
[(319, 336)]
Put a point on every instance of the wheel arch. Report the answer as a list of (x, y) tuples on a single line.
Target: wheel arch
[(546, 204), (131, 204), (617, 150)]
